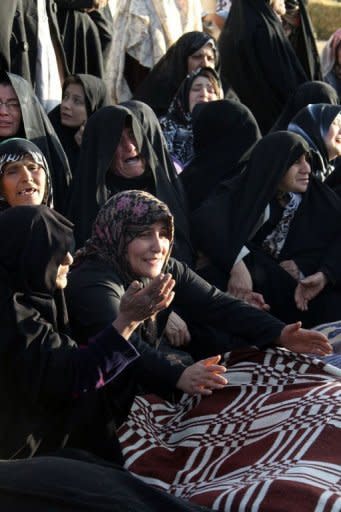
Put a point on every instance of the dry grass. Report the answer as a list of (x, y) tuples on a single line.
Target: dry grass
[(325, 16)]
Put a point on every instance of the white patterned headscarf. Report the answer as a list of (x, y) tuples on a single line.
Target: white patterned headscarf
[(15, 149)]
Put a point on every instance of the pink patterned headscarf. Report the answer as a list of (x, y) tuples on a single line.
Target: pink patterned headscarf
[(118, 222)]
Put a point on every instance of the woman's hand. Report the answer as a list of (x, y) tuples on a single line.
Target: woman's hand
[(308, 288), (240, 286), (203, 377), (138, 304), (291, 267), (294, 338), (176, 331), (240, 279)]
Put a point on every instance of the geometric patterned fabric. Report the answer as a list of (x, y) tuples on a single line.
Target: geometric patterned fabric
[(270, 441)]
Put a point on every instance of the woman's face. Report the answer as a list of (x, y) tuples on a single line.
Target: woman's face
[(73, 108), (10, 113), (202, 91), (202, 58), (332, 138), (128, 161), (146, 253), (296, 178), (62, 272), (23, 182)]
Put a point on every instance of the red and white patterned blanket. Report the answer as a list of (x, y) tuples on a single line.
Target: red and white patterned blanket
[(270, 441)]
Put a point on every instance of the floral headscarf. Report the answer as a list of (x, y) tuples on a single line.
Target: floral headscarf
[(118, 222)]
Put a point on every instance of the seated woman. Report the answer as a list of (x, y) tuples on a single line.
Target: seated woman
[(131, 240), (201, 86), (21, 115), (224, 132), (82, 96), (24, 175), (294, 257), (117, 154), (191, 51), (51, 389), (305, 94), (320, 126)]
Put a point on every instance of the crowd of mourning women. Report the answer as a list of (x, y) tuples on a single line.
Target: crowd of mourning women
[(198, 216)]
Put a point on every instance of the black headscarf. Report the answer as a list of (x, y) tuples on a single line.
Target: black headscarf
[(237, 205), (307, 93), (15, 149), (258, 60), (94, 184), (160, 85), (37, 128), (177, 123), (312, 123), (223, 134), (31, 258), (96, 96)]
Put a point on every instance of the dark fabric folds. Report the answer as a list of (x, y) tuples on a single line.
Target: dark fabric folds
[(258, 60), (224, 133)]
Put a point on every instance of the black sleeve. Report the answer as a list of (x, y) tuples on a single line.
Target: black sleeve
[(94, 304), (331, 262), (204, 302), (47, 365)]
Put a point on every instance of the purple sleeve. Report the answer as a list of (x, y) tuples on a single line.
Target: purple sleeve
[(102, 360)]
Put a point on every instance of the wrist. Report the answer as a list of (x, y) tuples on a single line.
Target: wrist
[(124, 326)]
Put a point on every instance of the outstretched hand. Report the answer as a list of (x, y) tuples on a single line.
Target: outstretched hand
[(138, 304), (203, 377), (294, 338)]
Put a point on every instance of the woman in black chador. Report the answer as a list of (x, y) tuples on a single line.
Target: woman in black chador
[(224, 132), (258, 60), (191, 51), (320, 126), (82, 95), (117, 154), (294, 257)]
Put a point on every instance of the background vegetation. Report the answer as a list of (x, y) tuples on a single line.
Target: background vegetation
[(325, 16)]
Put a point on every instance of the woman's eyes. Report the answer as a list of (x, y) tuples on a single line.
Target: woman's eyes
[(16, 170), (76, 101), (10, 172)]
